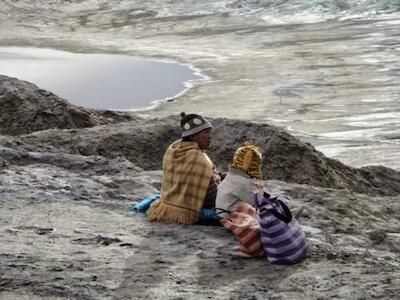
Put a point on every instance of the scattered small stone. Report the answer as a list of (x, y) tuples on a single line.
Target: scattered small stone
[(130, 245), (331, 256), (25, 282), (3, 164), (377, 236), (5, 282), (42, 231), (56, 269), (102, 240), (45, 92)]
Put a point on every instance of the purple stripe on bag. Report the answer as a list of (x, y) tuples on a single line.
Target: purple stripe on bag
[(277, 230), (291, 253), (289, 260), (287, 249), (283, 242), (272, 229), (295, 257), (269, 222), (279, 239), (274, 244)]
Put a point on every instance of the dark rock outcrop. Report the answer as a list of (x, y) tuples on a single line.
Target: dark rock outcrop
[(3, 164), (26, 108), (69, 192), (286, 158)]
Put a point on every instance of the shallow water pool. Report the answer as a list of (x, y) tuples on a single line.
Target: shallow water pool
[(103, 81)]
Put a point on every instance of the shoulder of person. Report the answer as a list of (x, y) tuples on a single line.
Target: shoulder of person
[(200, 154)]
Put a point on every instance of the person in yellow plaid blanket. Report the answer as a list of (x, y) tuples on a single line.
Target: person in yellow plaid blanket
[(190, 178)]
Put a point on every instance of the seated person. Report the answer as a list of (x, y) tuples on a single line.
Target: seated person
[(189, 177), (240, 183)]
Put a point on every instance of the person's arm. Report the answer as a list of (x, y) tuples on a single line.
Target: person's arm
[(222, 175), (217, 175), (211, 194)]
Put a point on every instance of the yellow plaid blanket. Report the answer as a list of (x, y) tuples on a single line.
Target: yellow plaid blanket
[(187, 173)]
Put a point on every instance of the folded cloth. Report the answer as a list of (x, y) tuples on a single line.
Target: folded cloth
[(143, 205), (244, 225)]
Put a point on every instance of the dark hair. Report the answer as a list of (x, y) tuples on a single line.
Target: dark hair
[(187, 138)]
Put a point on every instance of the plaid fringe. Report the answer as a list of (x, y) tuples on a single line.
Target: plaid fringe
[(165, 213)]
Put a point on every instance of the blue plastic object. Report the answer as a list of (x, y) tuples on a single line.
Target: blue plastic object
[(143, 205), (208, 214)]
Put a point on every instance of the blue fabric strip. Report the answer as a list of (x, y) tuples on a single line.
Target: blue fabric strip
[(143, 205)]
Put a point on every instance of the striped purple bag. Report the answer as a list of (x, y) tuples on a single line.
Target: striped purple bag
[(283, 239)]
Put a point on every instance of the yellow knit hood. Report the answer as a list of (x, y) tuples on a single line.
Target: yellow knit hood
[(248, 159)]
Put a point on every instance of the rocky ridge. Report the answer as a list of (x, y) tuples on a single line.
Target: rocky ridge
[(144, 141), (67, 230), (26, 108)]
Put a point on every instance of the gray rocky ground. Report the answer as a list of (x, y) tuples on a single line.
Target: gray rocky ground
[(334, 83), (67, 230), (26, 108)]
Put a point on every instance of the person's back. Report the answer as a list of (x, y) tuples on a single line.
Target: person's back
[(240, 183), (187, 174)]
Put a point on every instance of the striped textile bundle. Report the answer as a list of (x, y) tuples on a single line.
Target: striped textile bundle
[(244, 225), (281, 235)]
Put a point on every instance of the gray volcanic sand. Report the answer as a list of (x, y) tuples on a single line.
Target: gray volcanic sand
[(55, 244), (66, 228), (309, 78)]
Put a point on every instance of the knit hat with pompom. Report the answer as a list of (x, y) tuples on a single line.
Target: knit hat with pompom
[(192, 124)]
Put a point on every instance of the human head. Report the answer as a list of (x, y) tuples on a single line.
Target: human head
[(248, 159), (196, 128)]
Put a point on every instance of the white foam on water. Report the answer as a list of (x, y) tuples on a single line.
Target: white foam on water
[(375, 123), (373, 120), (384, 153), (393, 22), (278, 120), (312, 121), (374, 116), (332, 150), (295, 18), (380, 100), (359, 134)]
